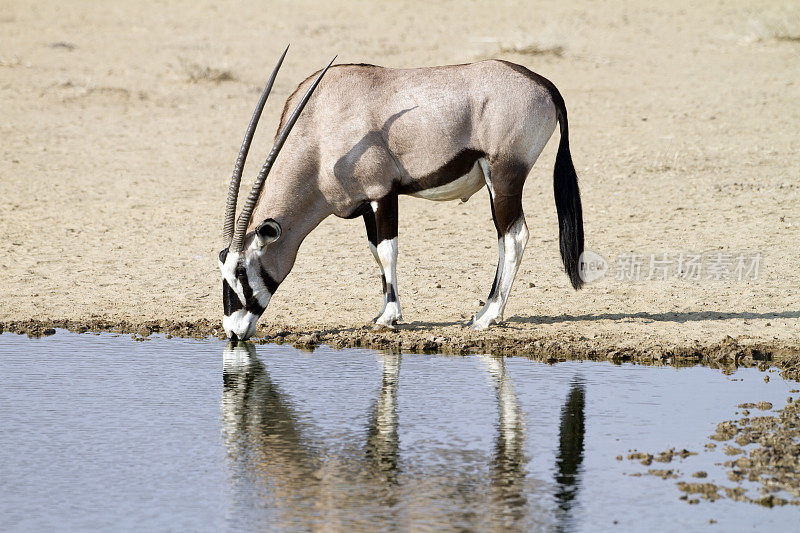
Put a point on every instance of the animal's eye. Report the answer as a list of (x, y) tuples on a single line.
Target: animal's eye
[(239, 272)]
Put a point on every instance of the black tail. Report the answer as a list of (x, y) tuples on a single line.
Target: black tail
[(568, 199)]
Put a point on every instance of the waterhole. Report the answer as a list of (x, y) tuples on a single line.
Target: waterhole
[(101, 432)]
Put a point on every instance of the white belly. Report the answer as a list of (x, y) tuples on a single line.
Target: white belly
[(462, 188)]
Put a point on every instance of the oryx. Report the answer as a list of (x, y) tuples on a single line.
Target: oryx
[(370, 134)]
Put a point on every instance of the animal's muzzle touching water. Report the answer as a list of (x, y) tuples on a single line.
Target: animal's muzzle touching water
[(238, 321), (244, 305)]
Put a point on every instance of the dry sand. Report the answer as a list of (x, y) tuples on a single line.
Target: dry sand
[(121, 122)]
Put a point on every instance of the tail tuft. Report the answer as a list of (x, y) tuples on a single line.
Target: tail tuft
[(568, 200)]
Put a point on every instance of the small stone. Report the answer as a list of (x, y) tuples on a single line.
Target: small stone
[(735, 475), (306, 340), (730, 450), (700, 473), (725, 431), (663, 474), (644, 458)]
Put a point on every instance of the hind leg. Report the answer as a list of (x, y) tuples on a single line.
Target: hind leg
[(381, 226), (505, 183)]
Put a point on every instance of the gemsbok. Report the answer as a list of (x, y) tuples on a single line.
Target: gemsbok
[(370, 134)]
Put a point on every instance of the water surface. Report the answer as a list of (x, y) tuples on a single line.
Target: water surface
[(101, 432)]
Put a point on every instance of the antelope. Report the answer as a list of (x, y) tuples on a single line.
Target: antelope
[(371, 134)]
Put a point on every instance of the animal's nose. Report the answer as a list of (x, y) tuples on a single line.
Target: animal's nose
[(240, 325)]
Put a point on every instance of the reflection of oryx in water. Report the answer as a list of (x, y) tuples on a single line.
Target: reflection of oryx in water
[(570, 453), (508, 466), (266, 441), (274, 458)]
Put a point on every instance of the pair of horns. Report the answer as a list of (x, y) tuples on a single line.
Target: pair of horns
[(234, 237)]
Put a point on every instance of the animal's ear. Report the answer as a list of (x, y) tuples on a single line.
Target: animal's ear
[(267, 232)]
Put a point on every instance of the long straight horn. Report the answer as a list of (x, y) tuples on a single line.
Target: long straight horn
[(258, 185), (236, 179)]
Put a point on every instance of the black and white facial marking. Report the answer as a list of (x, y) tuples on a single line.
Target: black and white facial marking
[(246, 285)]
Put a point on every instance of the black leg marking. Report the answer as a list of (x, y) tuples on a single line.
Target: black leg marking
[(386, 220), (506, 182), (372, 236), (494, 283), (390, 295), (372, 228), (508, 178)]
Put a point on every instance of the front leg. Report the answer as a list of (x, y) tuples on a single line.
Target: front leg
[(385, 244), (372, 237)]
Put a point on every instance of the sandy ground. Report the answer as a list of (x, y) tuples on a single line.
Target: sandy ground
[(121, 122)]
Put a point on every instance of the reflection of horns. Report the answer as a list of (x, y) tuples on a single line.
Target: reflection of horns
[(508, 463), (382, 440), (570, 449)]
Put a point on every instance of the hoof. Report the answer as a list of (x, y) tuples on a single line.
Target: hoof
[(480, 325)]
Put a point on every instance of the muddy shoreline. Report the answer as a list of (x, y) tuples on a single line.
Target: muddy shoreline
[(772, 462), (727, 354)]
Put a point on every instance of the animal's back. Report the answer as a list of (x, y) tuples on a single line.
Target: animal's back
[(374, 127), (470, 104)]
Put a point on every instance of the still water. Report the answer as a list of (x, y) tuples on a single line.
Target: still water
[(101, 432)]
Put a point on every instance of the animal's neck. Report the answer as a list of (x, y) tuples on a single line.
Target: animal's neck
[(298, 212)]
